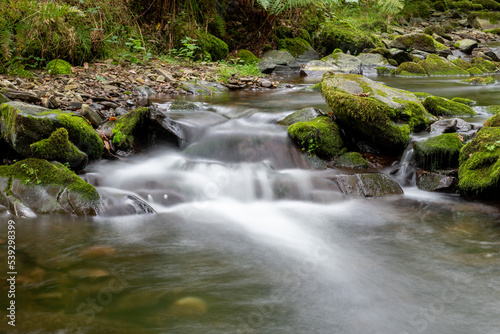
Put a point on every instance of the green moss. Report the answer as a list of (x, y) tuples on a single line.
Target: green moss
[(467, 102), (439, 152), (415, 115), (304, 34), (465, 5), (484, 65), (382, 70), (421, 96), (351, 160), (439, 106), (282, 32), (465, 65), (474, 71), (492, 17), (493, 31), (58, 147), (437, 66), (440, 46), (296, 46), (438, 30), (440, 6), (410, 69), (320, 136), (18, 69), (476, 81), (247, 57), (316, 87), (342, 35), (58, 66), (495, 109), (488, 4), (493, 121), (127, 126), (479, 171), (206, 42), (312, 18), (41, 172), (26, 127)]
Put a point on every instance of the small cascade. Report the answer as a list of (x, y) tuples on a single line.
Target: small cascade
[(405, 171)]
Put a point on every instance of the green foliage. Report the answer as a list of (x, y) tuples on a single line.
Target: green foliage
[(343, 35), (391, 7), (246, 57), (275, 7), (296, 46), (187, 50), (58, 66), (224, 71), (31, 173)]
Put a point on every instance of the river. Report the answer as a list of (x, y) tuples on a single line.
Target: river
[(248, 239)]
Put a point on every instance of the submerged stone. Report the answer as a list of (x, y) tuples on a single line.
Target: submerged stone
[(435, 182), (368, 185)]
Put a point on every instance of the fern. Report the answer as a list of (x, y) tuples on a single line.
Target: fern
[(391, 7), (275, 7), (6, 44)]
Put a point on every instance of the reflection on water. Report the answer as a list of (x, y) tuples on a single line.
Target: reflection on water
[(258, 242)]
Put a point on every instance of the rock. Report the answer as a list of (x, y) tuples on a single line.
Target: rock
[(47, 188), (437, 183), (308, 55), (121, 203), (127, 126), (3, 98), (24, 124), (71, 87), (480, 81), (279, 60), (493, 56), (321, 66), (484, 24), (320, 136), (493, 121), (109, 87), (435, 65), (479, 171), (368, 110), (58, 66), (182, 105), (410, 69), (368, 185), (416, 41), (352, 160), (345, 63), (438, 152), (302, 115), (400, 56), (342, 35), (466, 45), (265, 83), (439, 106), (200, 87), (145, 91), (20, 95), (91, 115), (58, 148), (451, 125), (165, 74)]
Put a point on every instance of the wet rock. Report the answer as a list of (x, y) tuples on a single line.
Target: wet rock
[(345, 63), (400, 56), (369, 111), (352, 160), (368, 185), (201, 87), (439, 152), (121, 203), (47, 188), (126, 127), (435, 182), (466, 45), (302, 115), (308, 55), (439, 106), (3, 98), (20, 95), (182, 105), (451, 125), (278, 60), (24, 124)]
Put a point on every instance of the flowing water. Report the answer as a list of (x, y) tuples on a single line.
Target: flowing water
[(248, 238)]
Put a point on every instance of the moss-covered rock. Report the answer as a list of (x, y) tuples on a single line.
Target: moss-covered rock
[(435, 65), (368, 185), (479, 171), (479, 81), (493, 121), (415, 41), (384, 71), (439, 106), (212, 45), (345, 37), (23, 124), (439, 152), (352, 160), (278, 60), (302, 115), (58, 147), (368, 110), (47, 188), (485, 65), (421, 96), (466, 45), (304, 34), (283, 32), (320, 136), (410, 69), (127, 126), (489, 4), (247, 57), (296, 46), (474, 71), (58, 66), (467, 102)]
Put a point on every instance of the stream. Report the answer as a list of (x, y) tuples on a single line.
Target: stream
[(248, 238)]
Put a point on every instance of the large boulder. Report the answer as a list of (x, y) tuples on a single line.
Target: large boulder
[(127, 126), (368, 110), (35, 186), (320, 136), (345, 63), (368, 185), (23, 124), (479, 171), (343, 36), (439, 152), (302, 115), (278, 61), (435, 65), (415, 41)]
